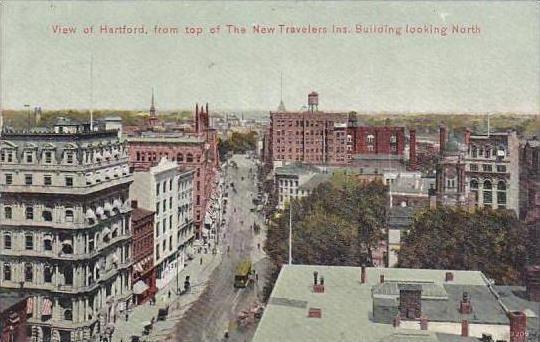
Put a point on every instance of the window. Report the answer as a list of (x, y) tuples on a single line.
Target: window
[(180, 157), (68, 275), (164, 225), (48, 157), (189, 158), (157, 189), (157, 252), (8, 213), (170, 222), (501, 168), (69, 181), (157, 208), (47, 244), (29, 157), (7, 240), (198, 199), (170, 184), (164, 245), (474, 167), (28, 179), (47, 180), (28, 272), (474, 152), (47, 274), (164, 186), (170, 203), (486, 167), (28, 242), (7, 271), (170, 243), (29, 213), (69, 157), (138, 156), (488, 196), (488, 152), (370, 139), (164, 204), (158, 228), (9, 178), (69, 215)]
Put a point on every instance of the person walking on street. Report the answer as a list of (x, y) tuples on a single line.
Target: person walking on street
[(258, 245), (200, 262)]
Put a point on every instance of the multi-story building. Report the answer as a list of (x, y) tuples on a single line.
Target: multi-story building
[(289, 179), (13, 315), (65, 232), (482, 170), (530, 193), (143, 271), (159, 190), (318, 137), (194, 149)]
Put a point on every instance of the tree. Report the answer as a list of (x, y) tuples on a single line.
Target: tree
[(238, 143), (493, 242)]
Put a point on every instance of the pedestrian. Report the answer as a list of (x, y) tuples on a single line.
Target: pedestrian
[(200, 262), (228, 248), (127, 316), (257, 277), (258, 245), (169, 294)]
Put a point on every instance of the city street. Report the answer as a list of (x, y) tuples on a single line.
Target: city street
[(217, 307)]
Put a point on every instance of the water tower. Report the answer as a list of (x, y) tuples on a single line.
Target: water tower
[(313, 101)]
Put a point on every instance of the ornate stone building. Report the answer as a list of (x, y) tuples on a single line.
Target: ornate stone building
[(65, 234)]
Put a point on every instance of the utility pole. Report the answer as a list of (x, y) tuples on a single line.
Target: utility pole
[(290, 232)]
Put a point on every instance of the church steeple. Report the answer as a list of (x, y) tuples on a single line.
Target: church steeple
[(152, 107), (281, 107)]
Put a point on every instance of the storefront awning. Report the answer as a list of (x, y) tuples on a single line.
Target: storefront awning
[(140, 287)]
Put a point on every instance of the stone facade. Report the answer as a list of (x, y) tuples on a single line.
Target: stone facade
[(482, 170), (168, 192), (530, 193), (65, 232)]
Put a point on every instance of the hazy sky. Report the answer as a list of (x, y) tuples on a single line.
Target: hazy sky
[(496, 70)]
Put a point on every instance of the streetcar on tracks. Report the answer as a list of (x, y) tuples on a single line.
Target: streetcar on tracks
[(242, 275)]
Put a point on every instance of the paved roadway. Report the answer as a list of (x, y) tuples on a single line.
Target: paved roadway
[(215, 310)]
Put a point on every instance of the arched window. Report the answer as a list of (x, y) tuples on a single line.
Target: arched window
[(69, 215), (474, 184), (501, 194), (370, 139), (68, 315), (180, 157), (189, 158), (47, 274), (7, 271), (28, 272), (7, 240), (487, 152), (488, 196), (501, 186), (138, 156), (29, 213), (474, 152), (68, 275)]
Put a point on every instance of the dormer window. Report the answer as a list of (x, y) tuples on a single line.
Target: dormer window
[(29, 157), (69, 157), (48, 157)]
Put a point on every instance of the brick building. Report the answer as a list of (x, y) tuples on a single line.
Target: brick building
[(13, 315), (143, 271), (530, 192), (65, 235), (194, 149), (318, 137)]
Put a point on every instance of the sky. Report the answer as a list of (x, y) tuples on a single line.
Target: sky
[(497, 70)]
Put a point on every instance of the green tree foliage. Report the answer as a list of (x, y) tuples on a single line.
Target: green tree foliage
[(493, 242), (238, 143), (340, 223)]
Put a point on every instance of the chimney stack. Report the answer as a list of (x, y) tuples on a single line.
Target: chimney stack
[(449, 276), (443, 138), (518, 326), (318, 288), (467, 138), (464, 328), (315, 275), (396, 321), (412, 149), (423, 323), (363, 275), (465, 307), (382, 278), (134, 204)]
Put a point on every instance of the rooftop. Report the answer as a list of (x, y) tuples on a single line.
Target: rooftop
[(140, 213), (346, 304), (295, 169), (314, 182)]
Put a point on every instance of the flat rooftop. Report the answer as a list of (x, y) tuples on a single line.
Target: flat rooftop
[(347, 305)]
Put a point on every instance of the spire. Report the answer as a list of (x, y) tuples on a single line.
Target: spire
[(152, 106), (281, 107)]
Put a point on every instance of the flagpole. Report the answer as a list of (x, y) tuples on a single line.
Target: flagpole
[(290, 232)]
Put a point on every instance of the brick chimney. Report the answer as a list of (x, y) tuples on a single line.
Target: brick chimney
[(443, 138), (518, 326), (382, 278), (464, 328), (134, 204), (449, 276), (467, 138), (532, 281), (423, 323), (396, 321), (363, 275), (314, 313), (412, 149), (465, 307), (318, 288), (410, 301)]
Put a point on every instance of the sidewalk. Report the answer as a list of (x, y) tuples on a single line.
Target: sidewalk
[(141, 315)]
